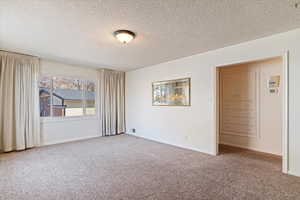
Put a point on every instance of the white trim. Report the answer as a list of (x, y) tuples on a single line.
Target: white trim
[(69, 140), (216, 109), (285, 107), (168, 143), (285, 111)]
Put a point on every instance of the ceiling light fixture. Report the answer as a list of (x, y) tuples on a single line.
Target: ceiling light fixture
[(124, 36)]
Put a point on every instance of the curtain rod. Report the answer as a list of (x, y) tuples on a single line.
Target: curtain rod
[(18, 53)]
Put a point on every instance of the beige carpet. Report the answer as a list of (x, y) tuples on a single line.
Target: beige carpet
[(126, 167)]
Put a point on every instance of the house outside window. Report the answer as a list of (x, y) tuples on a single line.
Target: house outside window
[(66, 97)]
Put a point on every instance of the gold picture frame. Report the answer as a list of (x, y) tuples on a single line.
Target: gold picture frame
[(176, 92)]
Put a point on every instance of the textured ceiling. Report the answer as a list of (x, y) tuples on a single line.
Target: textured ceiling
[(80, 31)]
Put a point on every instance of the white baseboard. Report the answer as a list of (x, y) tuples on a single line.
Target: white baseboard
[(293, 173), (69, 140), (172, 144)]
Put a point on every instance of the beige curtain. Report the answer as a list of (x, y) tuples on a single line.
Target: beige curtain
[(112, 102), (19, 102)]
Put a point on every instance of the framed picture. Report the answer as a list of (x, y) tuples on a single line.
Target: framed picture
[(171, 92)]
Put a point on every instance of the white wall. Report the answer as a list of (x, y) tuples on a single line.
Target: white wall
[(57, 130), (194, 127)]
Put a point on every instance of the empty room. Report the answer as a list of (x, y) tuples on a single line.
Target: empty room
[(150, 100), (252, 107)]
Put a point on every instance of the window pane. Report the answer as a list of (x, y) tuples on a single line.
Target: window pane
[(45, 95), (67, 97), (90, 98)]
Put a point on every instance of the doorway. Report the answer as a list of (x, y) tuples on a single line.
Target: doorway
[(251, 106)]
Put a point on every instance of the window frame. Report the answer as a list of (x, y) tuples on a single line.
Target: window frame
[(83, 81)]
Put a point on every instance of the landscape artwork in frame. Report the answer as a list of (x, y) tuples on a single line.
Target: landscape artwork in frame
[(171, 92)]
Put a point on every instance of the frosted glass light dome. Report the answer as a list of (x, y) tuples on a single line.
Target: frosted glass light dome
[(124, 36)]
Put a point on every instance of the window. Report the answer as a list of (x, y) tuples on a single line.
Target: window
[(90, 98), (45, 86), (66, 97)]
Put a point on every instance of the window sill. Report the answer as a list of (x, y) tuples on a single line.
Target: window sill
[(64, 119)]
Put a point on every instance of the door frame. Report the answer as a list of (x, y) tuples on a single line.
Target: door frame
[(285, 107)]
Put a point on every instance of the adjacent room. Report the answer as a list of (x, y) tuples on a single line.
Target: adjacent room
[(252, 105), (149, 100)]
